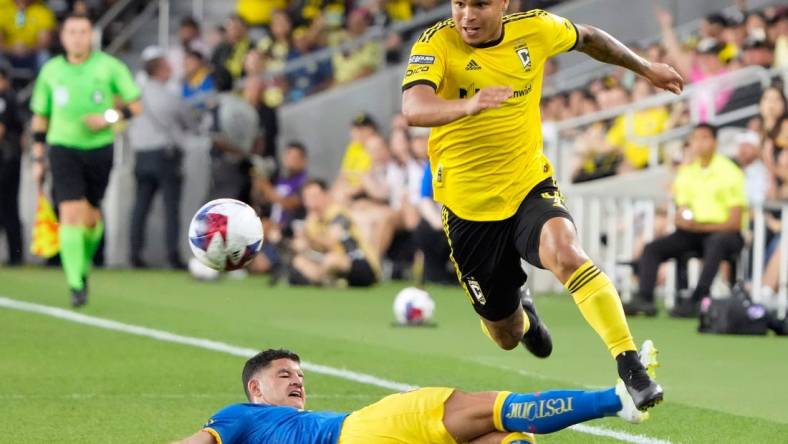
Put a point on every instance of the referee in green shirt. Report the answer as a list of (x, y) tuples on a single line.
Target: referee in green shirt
[(74, 105)]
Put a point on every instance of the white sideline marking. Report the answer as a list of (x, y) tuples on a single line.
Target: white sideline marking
[(208, 344)]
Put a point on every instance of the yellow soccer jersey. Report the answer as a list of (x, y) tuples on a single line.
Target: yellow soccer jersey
[(483, 166)]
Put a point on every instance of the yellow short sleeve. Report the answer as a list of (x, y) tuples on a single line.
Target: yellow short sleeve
[(427, 61), (560, 34)]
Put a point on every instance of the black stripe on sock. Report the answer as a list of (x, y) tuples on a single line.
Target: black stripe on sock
[(590, 278), (582, 274)]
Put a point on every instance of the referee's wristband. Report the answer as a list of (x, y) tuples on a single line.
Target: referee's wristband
[(40, 137)]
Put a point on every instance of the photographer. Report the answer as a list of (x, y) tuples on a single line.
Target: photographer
[(154, 136), (235, 130)]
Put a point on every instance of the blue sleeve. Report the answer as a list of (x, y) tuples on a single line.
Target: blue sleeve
[(230, 424), (426, 182)]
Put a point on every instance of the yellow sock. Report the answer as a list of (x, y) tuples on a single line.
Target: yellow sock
[(519, 438), (598, 301), (526, 326)]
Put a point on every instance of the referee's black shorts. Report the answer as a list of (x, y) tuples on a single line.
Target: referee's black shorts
[(79, 173), (487, 254)]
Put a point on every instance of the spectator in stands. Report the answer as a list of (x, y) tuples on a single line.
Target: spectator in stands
[(283, 193), (775, 156), (627, 129), (755, 51), (255, 93), (594, 158), (189, 40), (357, 159), (734, 33), (277, 45), (755, 22), (235, 127), (704, 63), (26, 28), (709, 194), (359, 62), (155, 135), (405, 171), (197, 86), (778, 36), (256, 66), (756, 176), (310, 79), (771, 107), (280, 201), (329, 249), (231, 51), (10, 168), (712, 26), (371, 206)]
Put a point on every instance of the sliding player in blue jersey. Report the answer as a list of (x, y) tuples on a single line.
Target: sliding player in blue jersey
[(274, 385)]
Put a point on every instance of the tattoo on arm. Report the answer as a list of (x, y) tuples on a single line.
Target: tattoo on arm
[(605, 48)]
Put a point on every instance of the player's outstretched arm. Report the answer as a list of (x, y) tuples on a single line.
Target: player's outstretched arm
[(605, 48), (422, 107)]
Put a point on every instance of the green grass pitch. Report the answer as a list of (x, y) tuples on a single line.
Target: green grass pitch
[(65, 382)]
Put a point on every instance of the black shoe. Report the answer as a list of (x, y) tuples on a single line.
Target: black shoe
[(537, 339), (79, 297), (638, 306), (177, 264), (686, 308), (137, 262), (644, 391)]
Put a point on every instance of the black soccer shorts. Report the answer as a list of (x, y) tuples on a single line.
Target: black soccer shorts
[(487, 254), (78, 173)]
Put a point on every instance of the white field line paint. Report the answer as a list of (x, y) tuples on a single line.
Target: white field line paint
[(194, 342), (615, 434), (222, 347)]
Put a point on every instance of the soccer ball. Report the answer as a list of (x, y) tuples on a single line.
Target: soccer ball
[(413, 306), (225, 234)]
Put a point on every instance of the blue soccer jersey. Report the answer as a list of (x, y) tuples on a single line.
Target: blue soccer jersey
[(260, 423)]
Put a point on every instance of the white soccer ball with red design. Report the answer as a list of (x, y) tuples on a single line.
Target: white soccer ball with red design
[(413, 306), (225, 234)]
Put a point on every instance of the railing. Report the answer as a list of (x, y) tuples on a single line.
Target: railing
[(108, 17), (129, 30), (610, 210)]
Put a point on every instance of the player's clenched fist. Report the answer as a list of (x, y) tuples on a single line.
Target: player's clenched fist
[(665, 77), (486, 98)]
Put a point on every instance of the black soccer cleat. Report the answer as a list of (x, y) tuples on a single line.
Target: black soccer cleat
[(537, 339), (644, 391), (79, 297)]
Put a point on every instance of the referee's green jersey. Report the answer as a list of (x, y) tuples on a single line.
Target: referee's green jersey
[(65, 93)]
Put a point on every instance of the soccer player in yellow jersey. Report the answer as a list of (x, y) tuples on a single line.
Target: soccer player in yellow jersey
[(476, 79)]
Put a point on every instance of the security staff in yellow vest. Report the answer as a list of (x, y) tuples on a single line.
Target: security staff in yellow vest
[(711, 207)]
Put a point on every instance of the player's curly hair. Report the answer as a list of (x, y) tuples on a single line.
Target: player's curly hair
[(263, 360)]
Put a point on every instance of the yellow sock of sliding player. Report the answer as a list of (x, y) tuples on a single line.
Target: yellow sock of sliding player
[(598, 301), (519, 438)]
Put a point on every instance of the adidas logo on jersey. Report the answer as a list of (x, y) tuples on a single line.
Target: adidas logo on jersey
[(472, 66)]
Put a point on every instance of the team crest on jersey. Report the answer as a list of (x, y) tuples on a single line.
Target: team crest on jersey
[(475, 290), (97, 96), (525, 57)]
